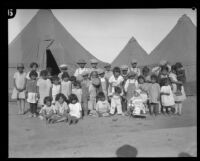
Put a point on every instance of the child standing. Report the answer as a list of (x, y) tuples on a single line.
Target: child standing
[(73, 79), (116, 101), (94, 88), (75, 110), (131, 85), (19, 88), (77, 91), (66, 85), (146, 74), (31, 93), (85, 89), (154, 96), (48, 110), (104, 82), (167, 98), (102, 106), (43, 87), (34, 67), (56, 88)]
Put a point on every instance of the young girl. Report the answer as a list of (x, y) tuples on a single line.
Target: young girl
[(143, 86), (31, 93), (48, 110), (94, 88), (77, 91), (102, 106), (131, 85), (85, 89), (136, 105), (56, 88), (61, 109), (19, 88), (63, 68), (167, 98), (104, 82), (34, 67), (164, 73), (75, 110), (43, 87), (66, 85), (146, 74), (154, 96), (116, 101), (73, 79)]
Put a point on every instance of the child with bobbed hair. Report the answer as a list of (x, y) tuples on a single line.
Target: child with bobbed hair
[(34, 67), (66, 85)]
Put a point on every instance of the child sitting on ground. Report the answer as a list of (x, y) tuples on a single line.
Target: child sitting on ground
[(48, 110), (75, 110), (61, 109), (135, 105), (102, 106), (167, 98), (116, 101)]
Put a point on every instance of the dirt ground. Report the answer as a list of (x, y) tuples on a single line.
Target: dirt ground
[(105, 137)]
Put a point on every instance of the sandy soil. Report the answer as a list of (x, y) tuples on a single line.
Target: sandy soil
[(105, 137)]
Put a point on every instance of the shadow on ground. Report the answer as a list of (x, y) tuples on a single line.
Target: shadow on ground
[(126, 151)]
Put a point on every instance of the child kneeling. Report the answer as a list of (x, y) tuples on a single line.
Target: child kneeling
[(75, 110), (102, 106)]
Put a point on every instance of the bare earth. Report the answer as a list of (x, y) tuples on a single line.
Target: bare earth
[(102, 137)]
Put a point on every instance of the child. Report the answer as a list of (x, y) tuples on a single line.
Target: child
[(134, 67), (61, 109), (154, 95), (63, 68), (56, 88), (66, 85), (48, 110), (116, 101), (77, 91), (85, 89), (143, 86), (180, 72), (131, 85), (167, 98), (108, 71), (164, 73), (146, 74), (75, 110), (34, 67), (31, 93), (94, 88), (104, 82), (43, 87), (135, 104), (73, 79), (102, 106), (19, 88)]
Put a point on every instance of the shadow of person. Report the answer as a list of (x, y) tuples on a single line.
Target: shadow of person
[(126, 151), (183, 154)]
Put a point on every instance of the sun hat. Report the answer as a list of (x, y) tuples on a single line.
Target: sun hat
[(85, 73), (163, 62), (124, 67), (96, 81), (131, 73), (81, 61), (63, 66), (94, 61), (100, 71), (20, 65), (107, 65)]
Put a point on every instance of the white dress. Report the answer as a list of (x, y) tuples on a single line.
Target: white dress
[(66, 88), (75, 110), (55, 91), (20, 80), (165, 99)]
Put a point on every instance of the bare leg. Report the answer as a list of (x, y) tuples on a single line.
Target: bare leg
[(180, 108), (22, 105), (176, 108), (19, 106)]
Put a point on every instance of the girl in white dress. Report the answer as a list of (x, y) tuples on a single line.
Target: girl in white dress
[(19, 88), (56, 88), (66, 85), (167, 98)]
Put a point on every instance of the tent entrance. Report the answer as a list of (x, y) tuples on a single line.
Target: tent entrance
[(51, 63)]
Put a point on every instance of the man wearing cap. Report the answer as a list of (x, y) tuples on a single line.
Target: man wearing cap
[(134, 67), (108, 71), (81, 69), (63, 68), (124, 71), (156, 70), (94, 63)]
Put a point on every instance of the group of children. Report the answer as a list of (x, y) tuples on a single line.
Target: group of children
[(99, 92)]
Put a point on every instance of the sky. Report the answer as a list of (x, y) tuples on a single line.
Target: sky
[(105, 32)]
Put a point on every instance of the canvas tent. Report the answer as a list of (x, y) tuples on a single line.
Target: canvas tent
[(45, 41), (45, 31), (179, 46), (132, 50)]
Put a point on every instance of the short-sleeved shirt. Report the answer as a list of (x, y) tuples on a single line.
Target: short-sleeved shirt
[(136, 70), (108, 74), (78, 93), (75, 109), (61, 107), (102, 106), (79, 71), (115, 82), (44, 86), (66, 88), (47, 110), (154, 93), (20, 79), (173, 76), (31, 86)]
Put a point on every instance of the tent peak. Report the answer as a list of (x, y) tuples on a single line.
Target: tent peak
[(132, 39), (184, 18)]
